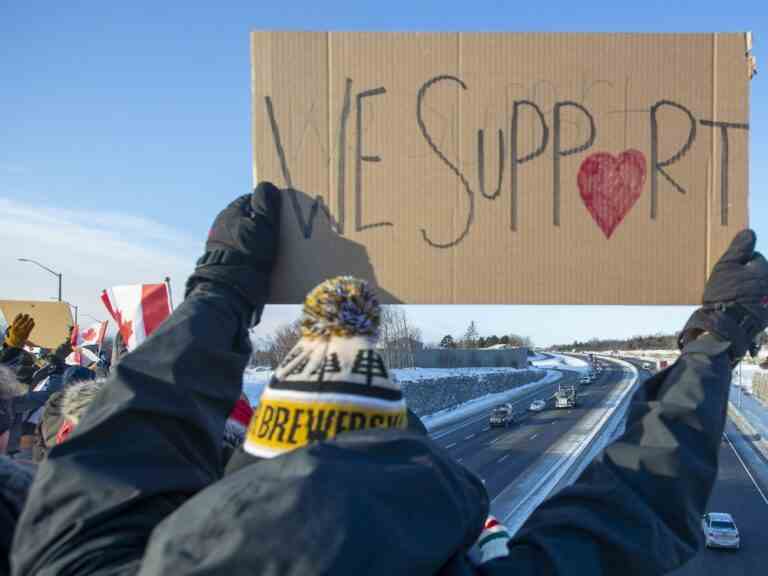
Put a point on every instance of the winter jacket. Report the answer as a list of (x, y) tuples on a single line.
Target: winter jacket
[(24, 407), (15, 480), (137, 488)]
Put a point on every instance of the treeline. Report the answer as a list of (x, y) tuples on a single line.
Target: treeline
[(472, 339), (399, 340), (652, 342)]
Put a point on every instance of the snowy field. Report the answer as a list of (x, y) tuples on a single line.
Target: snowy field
[(254, 381), (744, 374), (419, 374), (560, 362)]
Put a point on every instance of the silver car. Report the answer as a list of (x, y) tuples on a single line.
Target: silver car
[(537, 406), (720, 530)]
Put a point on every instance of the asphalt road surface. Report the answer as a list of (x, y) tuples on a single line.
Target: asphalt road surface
[(737, 493), (499, 455)]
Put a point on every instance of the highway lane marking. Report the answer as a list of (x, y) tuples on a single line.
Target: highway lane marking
[(448, 446), (532, 437), (437, 434), (469, 437), (500, 460), (486, 429), (762, 495)]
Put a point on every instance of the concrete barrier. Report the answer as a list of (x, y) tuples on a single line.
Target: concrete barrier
[(567, 458), (471, 358), (756, 439)]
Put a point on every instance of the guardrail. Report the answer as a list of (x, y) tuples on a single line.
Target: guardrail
[(562, 463)]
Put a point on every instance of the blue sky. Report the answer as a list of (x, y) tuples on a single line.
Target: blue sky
[(124, 127)]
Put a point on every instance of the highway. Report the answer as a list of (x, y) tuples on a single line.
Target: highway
[(499, 455), (745, 499)]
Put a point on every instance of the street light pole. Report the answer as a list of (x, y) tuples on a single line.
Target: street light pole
[(75, 306), (57, 274)]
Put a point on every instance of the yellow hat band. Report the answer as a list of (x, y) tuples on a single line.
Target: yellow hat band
[(286, 424)]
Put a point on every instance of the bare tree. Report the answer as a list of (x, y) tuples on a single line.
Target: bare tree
[(469, 340), (277, 345), (399, 339)]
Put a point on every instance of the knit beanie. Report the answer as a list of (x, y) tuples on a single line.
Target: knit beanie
[(334, 380)]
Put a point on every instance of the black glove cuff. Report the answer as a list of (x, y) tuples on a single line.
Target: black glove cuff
[(730, 322), (248, 286)]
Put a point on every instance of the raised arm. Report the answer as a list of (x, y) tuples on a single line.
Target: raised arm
[(636, 509), (153, 437)]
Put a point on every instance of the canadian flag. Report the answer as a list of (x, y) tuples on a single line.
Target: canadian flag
[(91, 336), (81, 357), (137, 310)]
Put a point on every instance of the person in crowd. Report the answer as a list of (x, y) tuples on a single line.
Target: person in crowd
[(10, 388), (138, 487), (40, 381), (63, 411), (13, 355), (235, 427), (15, 479)]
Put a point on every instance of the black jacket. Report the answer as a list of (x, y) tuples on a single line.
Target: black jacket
[(15, 480), (137, 487)]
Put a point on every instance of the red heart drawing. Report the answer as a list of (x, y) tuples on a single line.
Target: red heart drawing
[(610, 186)]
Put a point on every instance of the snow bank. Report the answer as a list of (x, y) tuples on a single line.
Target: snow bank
[(466, 409), (747, 373), (420, 374), (254, 381), (561, 362), (431, 390)]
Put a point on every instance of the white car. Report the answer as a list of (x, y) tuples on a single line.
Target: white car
[(720, 530), (537, 406)]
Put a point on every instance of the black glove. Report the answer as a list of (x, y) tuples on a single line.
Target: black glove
[(241, 247), (735, 303)]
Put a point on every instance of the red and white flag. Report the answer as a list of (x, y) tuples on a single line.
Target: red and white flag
[(137, 310), (81, 357), (91, 336)]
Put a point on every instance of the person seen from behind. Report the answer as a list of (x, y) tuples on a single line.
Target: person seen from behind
[(142, 476)]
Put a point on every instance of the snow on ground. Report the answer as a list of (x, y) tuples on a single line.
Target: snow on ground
[(418, 374), (254, 381), (466, 409), (744, 373), (560, 361)]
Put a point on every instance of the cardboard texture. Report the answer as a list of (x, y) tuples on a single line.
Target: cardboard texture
[(503, 168), (52, 320)]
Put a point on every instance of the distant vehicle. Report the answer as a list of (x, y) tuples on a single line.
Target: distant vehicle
[(720, 531), (565, 397), (586, 379), (502, 416), (537, 406)]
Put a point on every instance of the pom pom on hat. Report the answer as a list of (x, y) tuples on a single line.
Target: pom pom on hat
[(342, 306), (334, 380)]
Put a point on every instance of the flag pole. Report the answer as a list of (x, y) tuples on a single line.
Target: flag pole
[(170, 294)]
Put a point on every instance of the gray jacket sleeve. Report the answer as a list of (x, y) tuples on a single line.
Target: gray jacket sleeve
[(150, 440), (636, 510)]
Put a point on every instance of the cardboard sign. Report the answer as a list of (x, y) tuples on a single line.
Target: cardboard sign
[(503, 168), (52, 320)]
